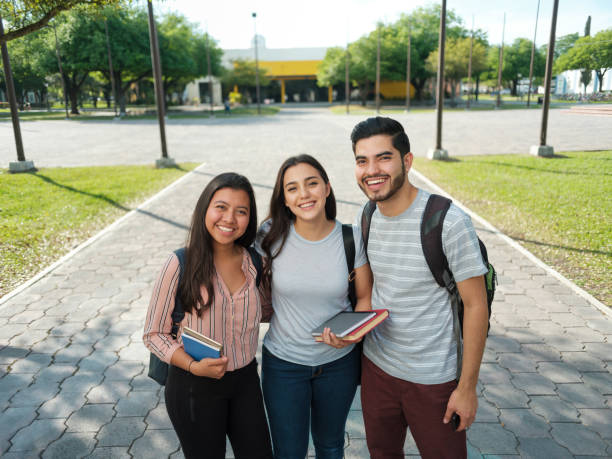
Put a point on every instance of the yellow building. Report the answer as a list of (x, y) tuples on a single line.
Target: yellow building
[(293, 72)]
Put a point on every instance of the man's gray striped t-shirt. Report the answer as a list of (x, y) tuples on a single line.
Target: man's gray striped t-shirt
[(416, 343)]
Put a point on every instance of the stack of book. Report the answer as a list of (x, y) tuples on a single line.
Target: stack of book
[(199, 346)]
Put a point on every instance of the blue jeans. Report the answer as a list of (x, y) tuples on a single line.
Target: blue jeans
[(299, 396)]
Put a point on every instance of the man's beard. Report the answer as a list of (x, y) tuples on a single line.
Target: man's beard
[(396, 183)]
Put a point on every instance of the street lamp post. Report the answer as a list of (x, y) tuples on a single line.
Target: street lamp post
[(543, 149), (59, 65), (111, 74), (21, 165), (408, 72), (533, 46), (439, 152), (256, 64), (347, 84), (500, 65), (377, 87), (470, 66), (210, 82), (164, 161)]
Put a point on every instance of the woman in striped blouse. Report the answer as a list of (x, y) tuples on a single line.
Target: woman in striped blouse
[(211, 398)]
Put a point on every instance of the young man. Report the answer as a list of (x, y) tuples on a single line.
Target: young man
[(410, 361)]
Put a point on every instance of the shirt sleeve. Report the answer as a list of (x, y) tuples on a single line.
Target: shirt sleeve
[(158, 324), (460, 245)]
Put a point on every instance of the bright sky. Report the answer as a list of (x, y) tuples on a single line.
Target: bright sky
[(325, 23)]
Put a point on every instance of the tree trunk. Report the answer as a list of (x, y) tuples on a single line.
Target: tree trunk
[(73, 93), (120, 95), (514, 85), (477, 87), (600, 76), (419, 84)]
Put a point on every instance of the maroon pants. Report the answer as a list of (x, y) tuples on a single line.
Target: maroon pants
[(390, 405)]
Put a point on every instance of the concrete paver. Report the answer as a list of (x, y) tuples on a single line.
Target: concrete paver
[(73, 368)]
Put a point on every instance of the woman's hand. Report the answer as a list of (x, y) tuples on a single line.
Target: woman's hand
[(332, 340), (211, 368)]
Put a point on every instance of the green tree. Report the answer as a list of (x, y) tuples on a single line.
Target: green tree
[(589, 53), (585, 75), (564, 43), (332, 69), (516, 63), (183, 54), (28, 73), (424, 26), (26, 16), (242, 74), (456, 60)]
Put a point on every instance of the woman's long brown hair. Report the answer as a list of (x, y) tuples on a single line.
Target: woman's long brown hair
[(199, 265), (280, 215)]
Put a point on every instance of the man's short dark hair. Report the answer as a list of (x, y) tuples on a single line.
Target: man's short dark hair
[(381, 125)]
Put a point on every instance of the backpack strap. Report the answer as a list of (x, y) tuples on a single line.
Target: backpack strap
[(257, 262), (366, 221), (431, 242), (178, 314), (431, 239), (349, 251)]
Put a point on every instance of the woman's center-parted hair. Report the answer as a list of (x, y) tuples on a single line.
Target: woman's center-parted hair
[(199, 266)]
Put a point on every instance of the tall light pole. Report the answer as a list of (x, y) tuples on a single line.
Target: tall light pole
[(470, 65), (210, 84), (377, 87), (408, 72), (500, 65), (256, 64), (347, 84), (533, 47), (164, 161), (110, 66), (21, 165), (543, 149), (439, 152), (59, 65)]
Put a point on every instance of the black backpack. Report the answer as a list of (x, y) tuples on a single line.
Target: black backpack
[(158, 369), (431, 242)]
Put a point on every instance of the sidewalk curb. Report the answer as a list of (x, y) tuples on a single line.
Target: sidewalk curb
[(564, 280), (94, 238)]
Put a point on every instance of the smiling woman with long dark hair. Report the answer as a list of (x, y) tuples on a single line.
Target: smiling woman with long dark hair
[(211, 398), (307, 385)]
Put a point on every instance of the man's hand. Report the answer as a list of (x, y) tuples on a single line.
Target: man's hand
[(465, 404), (211, 368)]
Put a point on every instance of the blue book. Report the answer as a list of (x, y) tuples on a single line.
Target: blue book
[(199, 346)]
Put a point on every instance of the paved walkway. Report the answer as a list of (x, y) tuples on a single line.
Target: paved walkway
[(84, 143), (73, 368)]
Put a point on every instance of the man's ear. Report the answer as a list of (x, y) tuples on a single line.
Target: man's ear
[(408, 157)]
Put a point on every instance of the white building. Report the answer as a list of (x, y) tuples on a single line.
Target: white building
[(568, 82), (197, 92)]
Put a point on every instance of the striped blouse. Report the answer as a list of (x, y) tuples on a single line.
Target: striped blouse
[(232, 320)]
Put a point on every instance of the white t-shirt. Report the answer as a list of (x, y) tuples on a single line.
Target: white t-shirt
[(309, 286)]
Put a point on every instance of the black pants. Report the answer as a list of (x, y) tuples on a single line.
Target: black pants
[(203, 410)]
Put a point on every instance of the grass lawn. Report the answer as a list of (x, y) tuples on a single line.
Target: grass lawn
[(559, 208), (45, 214), (5, 115), (371, 111)]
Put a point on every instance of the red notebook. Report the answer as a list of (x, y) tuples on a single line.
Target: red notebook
[(355, 335)]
